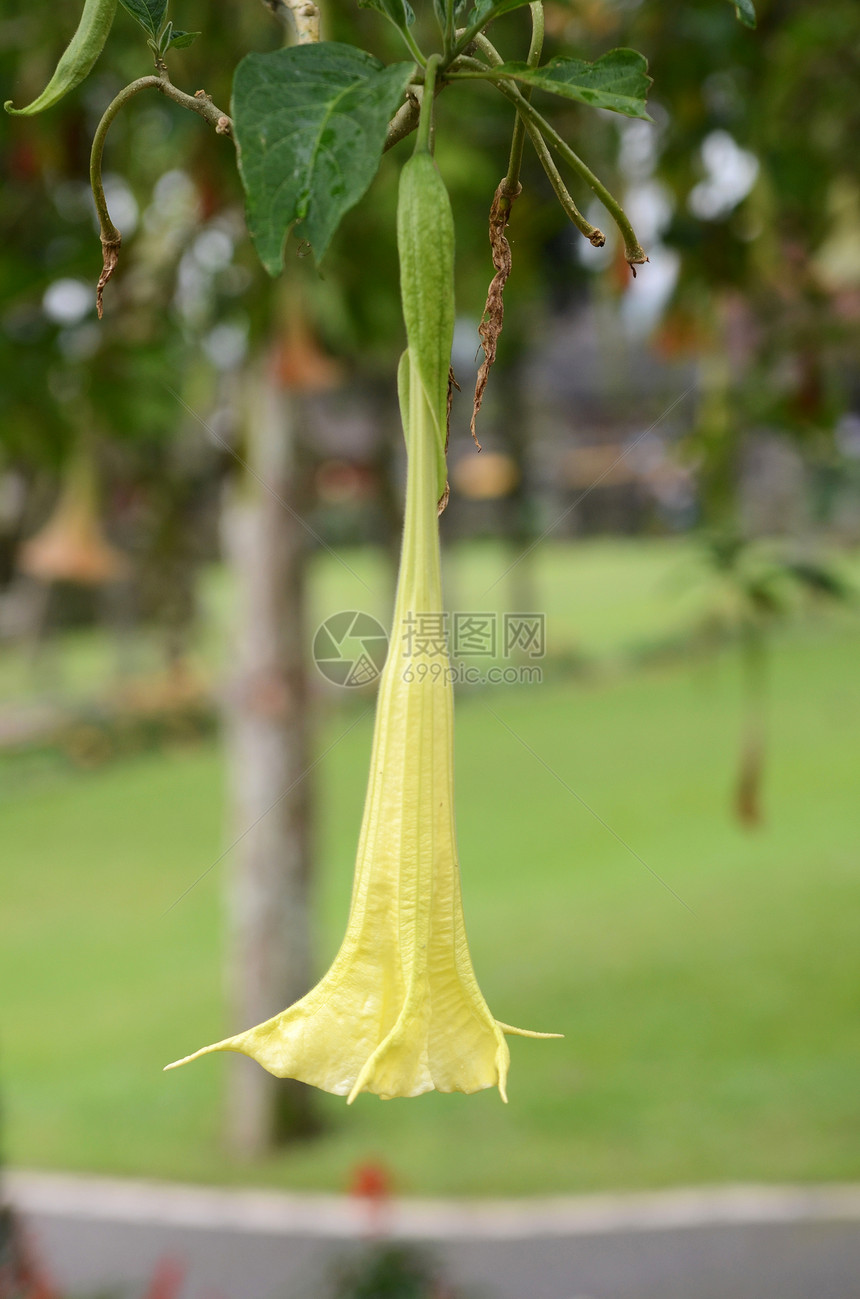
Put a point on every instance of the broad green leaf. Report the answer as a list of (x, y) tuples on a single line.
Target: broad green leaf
[(149, 13), (400, 12), (618, 80), (745, 10), (181, 40), (310, 124)]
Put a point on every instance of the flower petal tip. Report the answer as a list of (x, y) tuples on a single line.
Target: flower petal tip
[(524, 1032), (176, 1064), (195, 1055)]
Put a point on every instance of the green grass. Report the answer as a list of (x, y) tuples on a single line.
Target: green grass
[(601, 597), (717, 1043)]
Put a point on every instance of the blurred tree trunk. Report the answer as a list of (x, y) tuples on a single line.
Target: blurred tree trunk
[(267, 741)]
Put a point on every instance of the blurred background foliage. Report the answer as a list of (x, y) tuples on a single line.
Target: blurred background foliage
[(671, 473)]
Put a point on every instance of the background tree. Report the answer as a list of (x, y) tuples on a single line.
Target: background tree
[(767, 297)]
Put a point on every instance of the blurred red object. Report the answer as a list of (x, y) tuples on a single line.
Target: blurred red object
[(20, 1278), (372, 1185), (167, 1280), (371, 1180)]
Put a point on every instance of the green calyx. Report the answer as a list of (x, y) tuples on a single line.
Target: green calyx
[(425, 242)]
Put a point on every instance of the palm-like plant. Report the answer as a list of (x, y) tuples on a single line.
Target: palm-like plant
[(754, 585)]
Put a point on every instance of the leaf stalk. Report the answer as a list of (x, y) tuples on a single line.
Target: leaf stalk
[(201, 103), (412, 46), (511, 183), (449, 26), (633, 251)]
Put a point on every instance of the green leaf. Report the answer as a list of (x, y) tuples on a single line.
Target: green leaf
[(618, 80), (486, 10), (149, 13), (181, 40), (745, 10), (310, 124), (460, 8), (400, 12)]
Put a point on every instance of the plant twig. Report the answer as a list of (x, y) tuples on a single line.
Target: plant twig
[(511, 183), (633, 251), (304, 15), (594, 236), (405, 120), (201, 103)]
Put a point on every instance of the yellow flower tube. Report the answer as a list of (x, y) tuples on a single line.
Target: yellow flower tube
[(400, 1011)]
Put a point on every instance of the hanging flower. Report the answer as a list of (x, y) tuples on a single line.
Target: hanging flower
[(71, 546), (400, 1011)]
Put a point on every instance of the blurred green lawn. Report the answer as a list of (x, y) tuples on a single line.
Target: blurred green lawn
[(716, 1043), (601, 598)]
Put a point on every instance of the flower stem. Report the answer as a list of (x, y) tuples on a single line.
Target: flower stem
[(593, 234), (511, 183), (423, 138), (449, 26)]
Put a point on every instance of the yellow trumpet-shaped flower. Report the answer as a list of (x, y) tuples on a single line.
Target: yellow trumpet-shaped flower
[(400, 1011)]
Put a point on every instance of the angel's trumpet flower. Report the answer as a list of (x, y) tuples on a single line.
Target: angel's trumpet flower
[(71, 546), (400, 1011)]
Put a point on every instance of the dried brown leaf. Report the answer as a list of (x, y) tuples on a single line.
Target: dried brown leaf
[(494, 312)]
